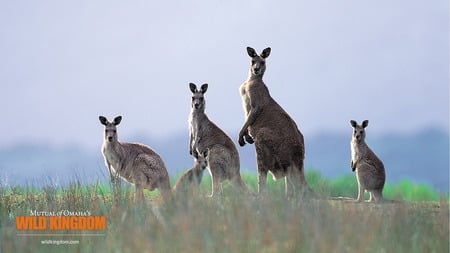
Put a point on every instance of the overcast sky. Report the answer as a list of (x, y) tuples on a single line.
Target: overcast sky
[(64, 63)]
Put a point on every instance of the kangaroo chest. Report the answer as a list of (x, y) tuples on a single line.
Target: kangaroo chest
[(199, 123), (254, 93), (112, 158), (355, 151), (245, 98), (359, 151)]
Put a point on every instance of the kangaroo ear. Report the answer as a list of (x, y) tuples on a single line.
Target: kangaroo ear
[(265, 53), (204, 88), (365, 123), (205, 153), (353, 123), (195, 154), (251, 52), (117, 120), (193, 87), (103, 120)]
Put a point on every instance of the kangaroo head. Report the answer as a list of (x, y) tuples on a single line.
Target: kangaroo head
[(359, 132), (201, 159), (198, 100), (258, 65), (110, 127)]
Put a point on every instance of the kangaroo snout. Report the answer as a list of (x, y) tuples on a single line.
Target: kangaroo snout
[(256, 70)]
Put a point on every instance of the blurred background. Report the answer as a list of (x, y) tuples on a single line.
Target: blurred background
[(62, 64)]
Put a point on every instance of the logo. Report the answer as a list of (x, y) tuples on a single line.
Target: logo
[(61, 220)]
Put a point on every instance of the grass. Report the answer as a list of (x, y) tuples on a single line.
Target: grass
[(235, 223), (346, 186)]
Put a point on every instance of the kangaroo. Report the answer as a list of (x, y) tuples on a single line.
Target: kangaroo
[(223, 157), (134, 162), (192, 177), (278, 142), (369, 168)]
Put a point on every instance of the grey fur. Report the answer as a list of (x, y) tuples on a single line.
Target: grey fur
[(369, 168), (134, 162), (192, 178), (278, 142), (223, 158)]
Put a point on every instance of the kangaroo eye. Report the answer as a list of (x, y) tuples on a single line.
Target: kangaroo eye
[(253, 62)]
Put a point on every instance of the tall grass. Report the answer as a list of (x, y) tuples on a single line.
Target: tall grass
[(231, 223), (346, 186)]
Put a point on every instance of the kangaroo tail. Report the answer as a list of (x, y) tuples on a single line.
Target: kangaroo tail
[(304, 185)]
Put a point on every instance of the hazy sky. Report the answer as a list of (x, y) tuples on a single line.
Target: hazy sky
[(64, 63)]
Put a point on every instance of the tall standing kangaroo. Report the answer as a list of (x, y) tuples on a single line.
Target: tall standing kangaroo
[(369, 168), (134, 162), (223, 157), (278, 142)]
